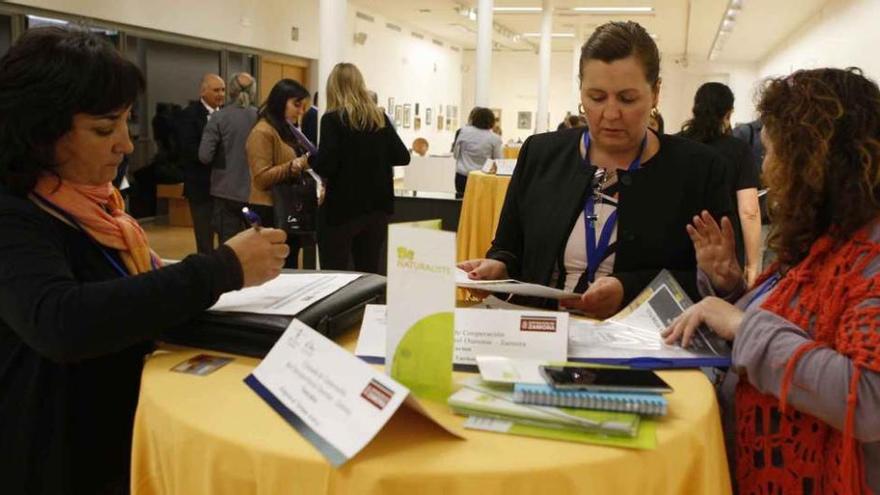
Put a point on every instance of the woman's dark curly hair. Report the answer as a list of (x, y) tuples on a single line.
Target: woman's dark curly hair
[(712, 102), (823, 162), (46, 78)]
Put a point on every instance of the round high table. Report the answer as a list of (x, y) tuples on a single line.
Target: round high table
[(480, 211), (212, 435)]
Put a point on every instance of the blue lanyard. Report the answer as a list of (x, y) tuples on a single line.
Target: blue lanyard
[(115, 264), (596, 250), (766, 287)]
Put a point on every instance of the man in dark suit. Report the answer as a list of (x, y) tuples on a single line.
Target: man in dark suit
[(196, 176), (310, 121)]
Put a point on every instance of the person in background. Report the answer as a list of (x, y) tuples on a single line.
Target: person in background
[(570, 186), (274, 154), (81, 293), (420, 146), (713, 106), (475, 144), (309, 120), (223, 150), (800, 401), (358, 149), (655, 121), (196, 176)]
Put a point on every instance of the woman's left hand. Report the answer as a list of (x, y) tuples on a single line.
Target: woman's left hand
[(719, 315), (601, 300)]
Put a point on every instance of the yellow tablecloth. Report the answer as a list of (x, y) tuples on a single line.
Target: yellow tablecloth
[(511, 151), (211, 434), (480, 210)]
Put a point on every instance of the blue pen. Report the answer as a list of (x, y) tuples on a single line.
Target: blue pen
[(252, 218)]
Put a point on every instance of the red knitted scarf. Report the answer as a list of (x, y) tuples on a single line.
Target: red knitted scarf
[(779, 449)]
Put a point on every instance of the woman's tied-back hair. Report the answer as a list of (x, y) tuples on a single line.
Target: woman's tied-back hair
[(47, 77), (347, 94), (712, 102), (823, 165), (242, 89), (618, 40)]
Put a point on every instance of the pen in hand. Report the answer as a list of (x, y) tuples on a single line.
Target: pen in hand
[(252, 218)]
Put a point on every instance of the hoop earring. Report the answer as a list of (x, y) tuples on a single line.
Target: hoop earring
[(581, 109)]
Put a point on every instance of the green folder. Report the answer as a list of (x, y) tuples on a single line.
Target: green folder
[(471, 402)]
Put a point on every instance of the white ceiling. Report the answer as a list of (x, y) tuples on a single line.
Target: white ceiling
[(761, 25)]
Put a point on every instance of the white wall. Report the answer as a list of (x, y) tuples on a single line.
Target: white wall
[(514, 88), (263, 24), (843, 33), (681, 83), (410, 70)]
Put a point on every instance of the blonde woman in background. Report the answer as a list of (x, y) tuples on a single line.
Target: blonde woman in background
[(358, 149)]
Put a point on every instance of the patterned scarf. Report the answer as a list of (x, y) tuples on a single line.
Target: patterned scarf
[(783, 450), (100, 212)]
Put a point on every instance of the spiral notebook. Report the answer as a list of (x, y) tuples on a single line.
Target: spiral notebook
[(545, 395)]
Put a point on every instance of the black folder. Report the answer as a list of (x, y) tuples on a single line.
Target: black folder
[(251, 334)]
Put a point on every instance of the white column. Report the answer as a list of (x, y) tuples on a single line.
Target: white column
[(544, 67), (575, 68), (331, 32), (484, 52)]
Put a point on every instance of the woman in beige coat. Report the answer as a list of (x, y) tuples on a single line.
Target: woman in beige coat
[(274, 153)]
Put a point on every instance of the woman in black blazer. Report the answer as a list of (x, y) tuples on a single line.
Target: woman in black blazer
[(356, 154), (636, 189)]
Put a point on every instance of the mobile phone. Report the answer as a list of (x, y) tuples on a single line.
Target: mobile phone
[(604, 379)]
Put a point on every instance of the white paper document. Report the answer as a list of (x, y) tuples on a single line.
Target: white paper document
[(634, 333), (334, 400), (511, 286), (516, 334), (288, 294)]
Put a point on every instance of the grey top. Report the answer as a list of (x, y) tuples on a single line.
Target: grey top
[(223, 149), (821, 378), (473, 147)]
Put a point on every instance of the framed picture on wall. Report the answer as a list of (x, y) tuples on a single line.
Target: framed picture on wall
[(417, 123), (398, 115), (439, 122), (391, 105), (524, 120), (417, 109), (449, 111), (428, 115), (449, 123), (407, 115)]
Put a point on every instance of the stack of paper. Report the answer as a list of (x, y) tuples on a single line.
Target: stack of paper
[(491, 408)]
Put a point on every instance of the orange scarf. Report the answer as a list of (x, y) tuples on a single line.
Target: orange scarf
[(789, 450), (100, 212)]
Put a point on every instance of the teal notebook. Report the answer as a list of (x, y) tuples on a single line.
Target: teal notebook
[(545, 395)]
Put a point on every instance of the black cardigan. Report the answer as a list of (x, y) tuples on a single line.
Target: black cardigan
[(73, 335), (357, 168), (656, 202)]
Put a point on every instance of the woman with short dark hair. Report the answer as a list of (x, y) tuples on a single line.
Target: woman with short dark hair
[(81, 293), (474, 144), (602, 210), (710, 125), (803, 391)]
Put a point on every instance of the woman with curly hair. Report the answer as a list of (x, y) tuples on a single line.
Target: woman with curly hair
[(710, 125), (805, 379)]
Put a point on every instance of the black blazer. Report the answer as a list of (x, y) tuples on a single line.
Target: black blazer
[(73, 335), (656, 202), (196, 175), (310, 124), (357, 168)]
